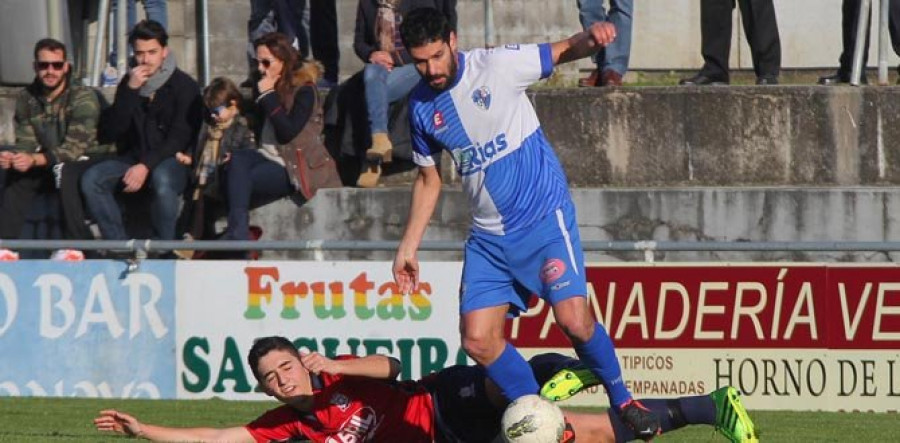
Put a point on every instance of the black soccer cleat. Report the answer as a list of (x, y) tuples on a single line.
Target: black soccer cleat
[(642, 421)]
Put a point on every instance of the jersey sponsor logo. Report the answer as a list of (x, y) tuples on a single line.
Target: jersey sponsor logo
[(552, 270), (438, 119), (513, 47), (482, 98), (360, 427), (475, 157)]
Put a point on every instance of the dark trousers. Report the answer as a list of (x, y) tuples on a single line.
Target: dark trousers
[(74, 215), (323, 30), (849, 19), (760, 27), (322, 37), (19, 191), (251, 180)]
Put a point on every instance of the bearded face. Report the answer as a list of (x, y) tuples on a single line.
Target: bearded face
[(51, 68)]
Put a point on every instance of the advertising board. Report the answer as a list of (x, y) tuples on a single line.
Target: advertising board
[(87, 329), (330, 307), (801, 337)]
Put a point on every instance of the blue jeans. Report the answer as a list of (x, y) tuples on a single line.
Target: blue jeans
[(250, 177), (384, 87), (615, 56), (103, 181)]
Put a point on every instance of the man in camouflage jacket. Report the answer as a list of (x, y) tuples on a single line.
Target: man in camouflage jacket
[(56, 131)]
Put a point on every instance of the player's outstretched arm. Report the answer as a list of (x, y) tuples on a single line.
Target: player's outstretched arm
[(372, 366), (583, 44), (111, 420), (425, 192)]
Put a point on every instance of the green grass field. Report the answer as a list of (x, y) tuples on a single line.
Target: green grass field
[(64, 419)]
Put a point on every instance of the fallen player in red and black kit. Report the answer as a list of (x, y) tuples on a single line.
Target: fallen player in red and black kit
[(358, 399)]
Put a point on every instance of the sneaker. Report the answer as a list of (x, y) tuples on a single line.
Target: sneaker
[(567, 383), (67, 255), (732, 419), (8, 255), (381, 149), (642, 421), (185, 254)]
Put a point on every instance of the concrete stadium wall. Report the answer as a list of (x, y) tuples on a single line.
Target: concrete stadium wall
[(759, 163), (618, 214), (664, 136)]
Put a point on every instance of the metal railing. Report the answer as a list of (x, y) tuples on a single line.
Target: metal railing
[(140, 248)]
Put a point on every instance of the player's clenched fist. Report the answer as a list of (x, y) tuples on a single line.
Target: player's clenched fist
[(318, 363)]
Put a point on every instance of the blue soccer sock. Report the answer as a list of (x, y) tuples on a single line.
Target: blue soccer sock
[(599, 355), (512, 374)]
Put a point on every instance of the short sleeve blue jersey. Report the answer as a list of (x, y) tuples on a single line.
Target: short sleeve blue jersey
[(488, 125)]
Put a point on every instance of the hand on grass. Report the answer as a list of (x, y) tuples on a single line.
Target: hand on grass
[(111, 420)]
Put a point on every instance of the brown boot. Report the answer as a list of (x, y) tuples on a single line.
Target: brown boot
[(610, 78), (368, 178), (381, 149), (591, 80)]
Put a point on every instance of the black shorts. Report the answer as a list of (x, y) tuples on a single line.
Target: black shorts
[(463, 411)]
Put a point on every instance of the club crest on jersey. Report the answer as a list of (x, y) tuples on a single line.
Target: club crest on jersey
[(438, 119), (482, 97), (552, 270), (341, 401)]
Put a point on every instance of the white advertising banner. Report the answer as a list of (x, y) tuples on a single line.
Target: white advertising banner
[(789, 336), (331, 307)]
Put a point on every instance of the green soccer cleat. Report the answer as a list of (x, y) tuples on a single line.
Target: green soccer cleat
[(568, 382), (732, 419)]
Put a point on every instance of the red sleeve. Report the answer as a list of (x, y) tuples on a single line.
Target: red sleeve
[(276, 424)]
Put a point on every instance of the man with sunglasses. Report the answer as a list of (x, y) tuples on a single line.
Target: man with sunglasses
[(56, 127), (156, 113)]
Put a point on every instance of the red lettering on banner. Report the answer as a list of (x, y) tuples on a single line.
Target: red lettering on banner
[(794, 306)]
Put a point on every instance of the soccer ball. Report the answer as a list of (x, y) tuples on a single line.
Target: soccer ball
[(532, 419)]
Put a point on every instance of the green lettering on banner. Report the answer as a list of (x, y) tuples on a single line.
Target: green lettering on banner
[(353, 344), (331, 347), (309, 344), (232, 368), (405, 346), (195, 364), (429, 362)]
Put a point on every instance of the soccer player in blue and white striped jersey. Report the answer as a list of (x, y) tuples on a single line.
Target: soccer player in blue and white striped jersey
[(524, 238)]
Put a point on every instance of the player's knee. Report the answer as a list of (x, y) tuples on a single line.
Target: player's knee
[(482, 348), (578, 328)]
